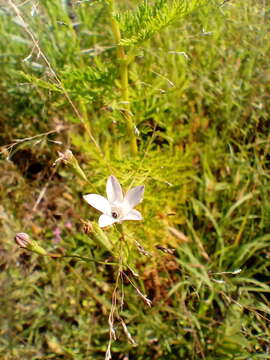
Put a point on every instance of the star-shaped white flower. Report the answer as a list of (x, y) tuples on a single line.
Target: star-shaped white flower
[(117, 207)]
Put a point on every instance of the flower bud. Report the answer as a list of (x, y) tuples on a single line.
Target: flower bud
[(22, 239), (67, 156), (69, 159)]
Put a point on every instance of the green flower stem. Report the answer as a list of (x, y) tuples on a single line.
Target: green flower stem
[(120, 230), (88, 259), (124, 62)]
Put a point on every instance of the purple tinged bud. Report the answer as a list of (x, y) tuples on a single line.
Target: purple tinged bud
[(22, 239)]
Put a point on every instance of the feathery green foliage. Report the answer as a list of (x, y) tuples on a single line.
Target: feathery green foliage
[(149, 19)]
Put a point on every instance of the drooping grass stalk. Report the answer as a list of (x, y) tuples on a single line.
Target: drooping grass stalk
[(123, 69)]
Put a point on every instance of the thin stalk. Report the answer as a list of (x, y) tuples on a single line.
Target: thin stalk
[(123, 69)]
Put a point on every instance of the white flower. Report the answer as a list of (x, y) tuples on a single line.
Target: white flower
[(117, 207)]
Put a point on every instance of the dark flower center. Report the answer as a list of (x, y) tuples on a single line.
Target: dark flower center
[(114, 215)]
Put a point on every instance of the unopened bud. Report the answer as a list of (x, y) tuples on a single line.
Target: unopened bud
[(69, 159), (22, 239), (67, 156)]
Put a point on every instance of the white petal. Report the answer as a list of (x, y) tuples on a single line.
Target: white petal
[(114, 190), (134, 196), (98, 202), (106, 220), (132, 215)]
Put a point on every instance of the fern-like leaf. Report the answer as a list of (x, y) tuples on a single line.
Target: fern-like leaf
[(148, 20)]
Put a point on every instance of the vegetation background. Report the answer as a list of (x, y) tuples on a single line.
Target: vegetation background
[(198, 104)]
